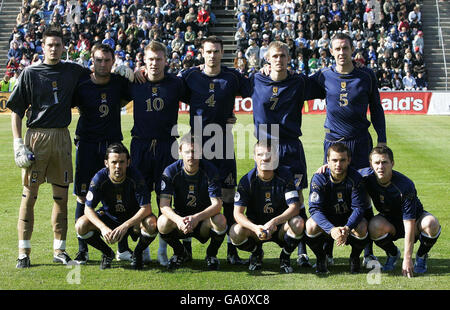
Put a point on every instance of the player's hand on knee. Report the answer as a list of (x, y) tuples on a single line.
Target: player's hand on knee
[(22, 155), (106, 233), (262, 233)]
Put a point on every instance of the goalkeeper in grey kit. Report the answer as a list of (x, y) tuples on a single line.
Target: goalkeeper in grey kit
[(45, 92)]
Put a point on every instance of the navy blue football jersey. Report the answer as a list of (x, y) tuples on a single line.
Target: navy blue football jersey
[(331, 203), (213, 98), (155, 107), (280, 103), (191, 193), (347, 98), (398, 200), (120, 201), (100, 108), (265, 200)]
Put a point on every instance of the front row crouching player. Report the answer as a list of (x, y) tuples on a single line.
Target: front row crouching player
[(266, 208), (336, 203), (401, 214), (194, 185), (126, 205)]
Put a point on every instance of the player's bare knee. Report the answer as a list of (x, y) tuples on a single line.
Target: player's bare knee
[(378, 226), (297, 225), (82, 225), (164, 224), (430, 225), (361, 229), (311, 227), (149, 224), (236, 233), (219, 222)]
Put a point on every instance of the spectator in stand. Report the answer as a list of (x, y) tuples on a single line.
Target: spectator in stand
[(243, 23), (189, 35), (397, 83), (241, 37), (253, 49), (177, 44), (203, 19), (15, 52), (109, 40), (409, 82), (418, 41), (421, 82), (415, 14), (240, 62), (4, 83), (385, 82)]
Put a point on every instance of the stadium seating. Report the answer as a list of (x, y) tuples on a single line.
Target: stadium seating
[(379, 30)]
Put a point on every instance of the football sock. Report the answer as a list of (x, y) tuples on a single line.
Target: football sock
[(216, 242), (368, 215), (302, 244), (187, 243), (426, 243), (368, 249), (144, 241), (387, 244), (316, 244), (328, 247), (249, 245), (290, 243), (173, 240), (358, 244), (122, 245), (97, 242)]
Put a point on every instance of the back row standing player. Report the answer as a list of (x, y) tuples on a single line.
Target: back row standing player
[(212, 93), (46, 91), (349, 91), (99, 97), (155, 113)]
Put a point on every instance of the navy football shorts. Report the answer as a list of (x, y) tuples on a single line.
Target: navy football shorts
[(360, 148), (89, 159), (292, 156), (151, 157)]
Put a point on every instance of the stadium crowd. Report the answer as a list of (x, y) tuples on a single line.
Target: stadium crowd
[(126, 25), (387, 36)]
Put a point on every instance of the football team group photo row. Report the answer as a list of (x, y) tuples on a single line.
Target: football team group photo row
[(355, 199)]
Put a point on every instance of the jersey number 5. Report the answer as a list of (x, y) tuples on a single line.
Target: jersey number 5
[(343, 101)]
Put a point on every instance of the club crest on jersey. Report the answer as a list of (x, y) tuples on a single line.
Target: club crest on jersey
[(55, 85), (343, 86), (211, 87), (119, 198), (191, 188), (339, 197), (103, 96), (274, 90), (83, 188), (154, 91), (268, 196), (381, 198)]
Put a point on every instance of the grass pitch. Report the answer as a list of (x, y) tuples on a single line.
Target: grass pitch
[(421, 148)]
